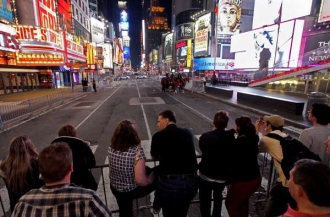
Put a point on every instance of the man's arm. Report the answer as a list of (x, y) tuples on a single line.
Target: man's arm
[(89, 156), (154, 148)]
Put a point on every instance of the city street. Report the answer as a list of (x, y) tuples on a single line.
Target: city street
[(97, 115)]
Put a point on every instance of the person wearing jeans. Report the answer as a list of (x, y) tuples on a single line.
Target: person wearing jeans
[(178, 181)]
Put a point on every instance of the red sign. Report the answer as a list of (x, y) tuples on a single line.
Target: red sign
[(72, 46), (180, 44), (38, 34), (64, 15), (47, 14), (8, 42)]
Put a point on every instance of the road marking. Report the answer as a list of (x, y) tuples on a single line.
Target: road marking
[(144, 113), (83, 121)]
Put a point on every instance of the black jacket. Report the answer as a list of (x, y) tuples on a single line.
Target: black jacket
[(217, 154), (83, 161), (174, 147)]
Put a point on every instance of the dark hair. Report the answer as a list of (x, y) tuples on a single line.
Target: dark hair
[(17, 165), (220, 120), (170, 115), (280, 128), (55, 161), (125, 136), (245, 126), (67, 130), (321, 112), (314, 178)]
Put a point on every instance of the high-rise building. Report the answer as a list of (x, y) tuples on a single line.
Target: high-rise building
[(156, 24), (81, 20)]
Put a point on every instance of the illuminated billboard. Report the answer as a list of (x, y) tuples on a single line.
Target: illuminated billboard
[(168, 46), (47, 14), (260, 48), (107, 54), (291, 11), (64, 15), (211, 63), (185, 31), (324, 14), (123, 26), (266, 12), (202, 30), (123, 16), (5, 10), (97, 32), (155, 56), (127, 52), (228, 16), (317, 48)]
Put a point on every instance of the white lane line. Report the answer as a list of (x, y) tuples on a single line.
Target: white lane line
[(83, 121), (144, 113)]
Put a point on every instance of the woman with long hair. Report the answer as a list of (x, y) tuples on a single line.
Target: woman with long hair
[(20, 169), (246, 174), (127, 169)]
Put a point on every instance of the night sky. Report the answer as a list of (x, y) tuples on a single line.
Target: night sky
[(135, 25)]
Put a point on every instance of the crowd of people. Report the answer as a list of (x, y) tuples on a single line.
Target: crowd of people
[(58, 181)]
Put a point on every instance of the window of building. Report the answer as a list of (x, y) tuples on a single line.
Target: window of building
[(83, 6), (79, 3), (73, 10), (81, 18), (85, 22), (77, 14)]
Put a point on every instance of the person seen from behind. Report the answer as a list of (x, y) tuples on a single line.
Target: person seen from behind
[(216, 147), (83, 157), (20, 169), (246, 174), (314, 137), (309, 185), (127, 169), (57, 198)]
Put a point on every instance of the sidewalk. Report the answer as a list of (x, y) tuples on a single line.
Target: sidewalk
[(296, 120)]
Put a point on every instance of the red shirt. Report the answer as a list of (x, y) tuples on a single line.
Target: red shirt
[(293, 213)]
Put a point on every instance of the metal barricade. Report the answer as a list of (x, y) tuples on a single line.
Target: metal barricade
[(197, 86)]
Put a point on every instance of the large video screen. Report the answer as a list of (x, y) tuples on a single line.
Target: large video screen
[(292, 9), (324, 11), (261, 48), (266, 12), (168, 46)]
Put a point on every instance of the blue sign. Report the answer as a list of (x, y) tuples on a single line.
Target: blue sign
[(123, 16), (211, 63), (127, 53), (5, 10), (123, 26)]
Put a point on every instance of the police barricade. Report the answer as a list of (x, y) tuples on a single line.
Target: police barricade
[(197, 86), (258, 200)]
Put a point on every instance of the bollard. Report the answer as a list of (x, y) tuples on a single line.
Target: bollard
[(30, 108), (1, 123)]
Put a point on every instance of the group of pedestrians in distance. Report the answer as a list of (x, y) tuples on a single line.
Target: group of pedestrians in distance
[(229, 159)]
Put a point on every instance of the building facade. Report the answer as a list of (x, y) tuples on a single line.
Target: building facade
[(81, 18)]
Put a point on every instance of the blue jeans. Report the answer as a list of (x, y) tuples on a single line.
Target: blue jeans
[(175, 195)]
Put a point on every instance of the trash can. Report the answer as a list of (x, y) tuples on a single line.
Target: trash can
[(315, 97)]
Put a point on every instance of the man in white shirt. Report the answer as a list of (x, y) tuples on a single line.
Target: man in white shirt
[(279, 196), (314, 137)]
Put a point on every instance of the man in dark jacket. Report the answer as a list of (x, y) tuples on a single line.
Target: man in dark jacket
[(178, 182), (83, 157), (215, 166)]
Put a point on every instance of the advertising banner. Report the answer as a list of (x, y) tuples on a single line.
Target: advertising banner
[(266, 12), (155, 56), (64, 15), (289, 9), (5, 10), (209, 63), (97, 28), (189, 53), (257, 49), (185, 31), (181, 53), (324, 15), (317, 48), (127, 52), (107, 56), (168, 46), (202, 30), (228, 16), (47, 14), (123, 16)]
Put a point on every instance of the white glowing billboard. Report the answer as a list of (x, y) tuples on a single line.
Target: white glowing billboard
[(324, 15), (261, 48), (266, 13), (292, 9), (202, 30)]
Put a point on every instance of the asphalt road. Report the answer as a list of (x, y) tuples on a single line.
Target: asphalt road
[(97, 115)]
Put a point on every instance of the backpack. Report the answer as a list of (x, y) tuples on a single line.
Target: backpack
[(293, 150)]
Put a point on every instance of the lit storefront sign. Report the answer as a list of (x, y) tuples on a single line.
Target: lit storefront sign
[(47, 13), (8, 41), (189, 53), (35, 35), (209, 64), (34, 59), (75, 51)]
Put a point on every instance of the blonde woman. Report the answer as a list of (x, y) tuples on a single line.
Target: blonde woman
[(20, 169)]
